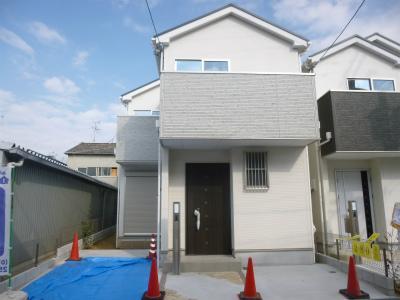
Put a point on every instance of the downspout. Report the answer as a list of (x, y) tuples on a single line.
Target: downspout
[(328, 136), (159, 200), (12, 165)]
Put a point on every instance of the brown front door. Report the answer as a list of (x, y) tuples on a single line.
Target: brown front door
[(208, 193)]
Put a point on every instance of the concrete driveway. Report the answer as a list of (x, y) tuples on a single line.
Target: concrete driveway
[(309, 282)]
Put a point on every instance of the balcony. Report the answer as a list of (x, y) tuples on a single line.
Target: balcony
[(360, 122), (234, 109), (137, 140)]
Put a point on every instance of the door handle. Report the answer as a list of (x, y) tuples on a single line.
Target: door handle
[(197, 214)]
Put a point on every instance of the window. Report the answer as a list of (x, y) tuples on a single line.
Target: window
[(216, 66), (142, 112), (364, 84), (188, 65), (91, 171), (104, 171), (359, 84), (82, 170), (383, 85), (256, 177), (198, 65)]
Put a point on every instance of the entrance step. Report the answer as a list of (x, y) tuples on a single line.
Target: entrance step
[(127, 243), (205, 263)]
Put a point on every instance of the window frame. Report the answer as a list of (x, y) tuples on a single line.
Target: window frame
[(81, 171), (100, 171), (202, 64), (386, 79), (371, 84), (359, 78), (246, 187)]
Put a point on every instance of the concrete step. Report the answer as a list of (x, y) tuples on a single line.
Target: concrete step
[(126, 243), (205, 263)]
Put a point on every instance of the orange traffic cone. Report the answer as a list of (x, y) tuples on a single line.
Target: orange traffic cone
[(353, 287), (250, 291), (153, 247), (75, 249), (153, 289)]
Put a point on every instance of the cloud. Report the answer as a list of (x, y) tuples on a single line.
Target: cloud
[(53, 127), (321, 21), (80, 58), (61, 86), (46, 34), (131, 24), (14, 40), (6, 98)]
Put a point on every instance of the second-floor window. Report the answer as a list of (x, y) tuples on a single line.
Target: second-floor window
[(199, 65), (371, 84)]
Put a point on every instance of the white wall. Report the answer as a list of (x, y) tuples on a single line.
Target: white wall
[(390, 172), (280, 218), (84, 161), (249, 49), (332, 72), (148, 100), (277, 219)]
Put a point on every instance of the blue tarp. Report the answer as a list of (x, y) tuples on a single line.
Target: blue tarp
[(93, 278)]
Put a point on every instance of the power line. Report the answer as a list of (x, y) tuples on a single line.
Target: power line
[(152, 21), (345, 27)]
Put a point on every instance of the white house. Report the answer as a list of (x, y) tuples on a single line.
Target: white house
[(358, 163), (223, 132)]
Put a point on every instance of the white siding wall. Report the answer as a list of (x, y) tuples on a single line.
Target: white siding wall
[(148, 100), (249, 49), (280, 218), (390, 173), (332, 72), (277, 219)]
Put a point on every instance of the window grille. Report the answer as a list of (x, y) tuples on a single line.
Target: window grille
[(256, 177)]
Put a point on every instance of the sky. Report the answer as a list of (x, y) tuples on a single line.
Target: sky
[(64, 64)]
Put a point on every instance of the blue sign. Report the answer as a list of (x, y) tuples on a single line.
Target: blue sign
[(5, 211)]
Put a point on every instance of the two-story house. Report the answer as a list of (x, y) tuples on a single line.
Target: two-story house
[(224, 133), (358, 161), (96, 160)]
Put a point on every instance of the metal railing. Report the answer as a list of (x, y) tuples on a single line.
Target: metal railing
[(340, 248)]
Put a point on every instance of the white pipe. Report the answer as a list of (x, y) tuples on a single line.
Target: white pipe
[(15, 164), (328, 136), (159, 204)]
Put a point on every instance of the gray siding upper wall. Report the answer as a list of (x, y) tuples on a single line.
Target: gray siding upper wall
[(237, 106), (137, 139), (360, 121)]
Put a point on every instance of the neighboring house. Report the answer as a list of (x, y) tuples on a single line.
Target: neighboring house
[(230, 144), (95, 159), (356, 172)]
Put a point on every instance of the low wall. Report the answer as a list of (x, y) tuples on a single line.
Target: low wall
[(22, 279)]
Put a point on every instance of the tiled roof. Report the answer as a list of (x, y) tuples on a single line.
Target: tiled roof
[(92, 149)]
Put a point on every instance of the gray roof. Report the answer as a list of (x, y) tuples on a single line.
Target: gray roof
[(92, 149), (139, 87), (15, 153)]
